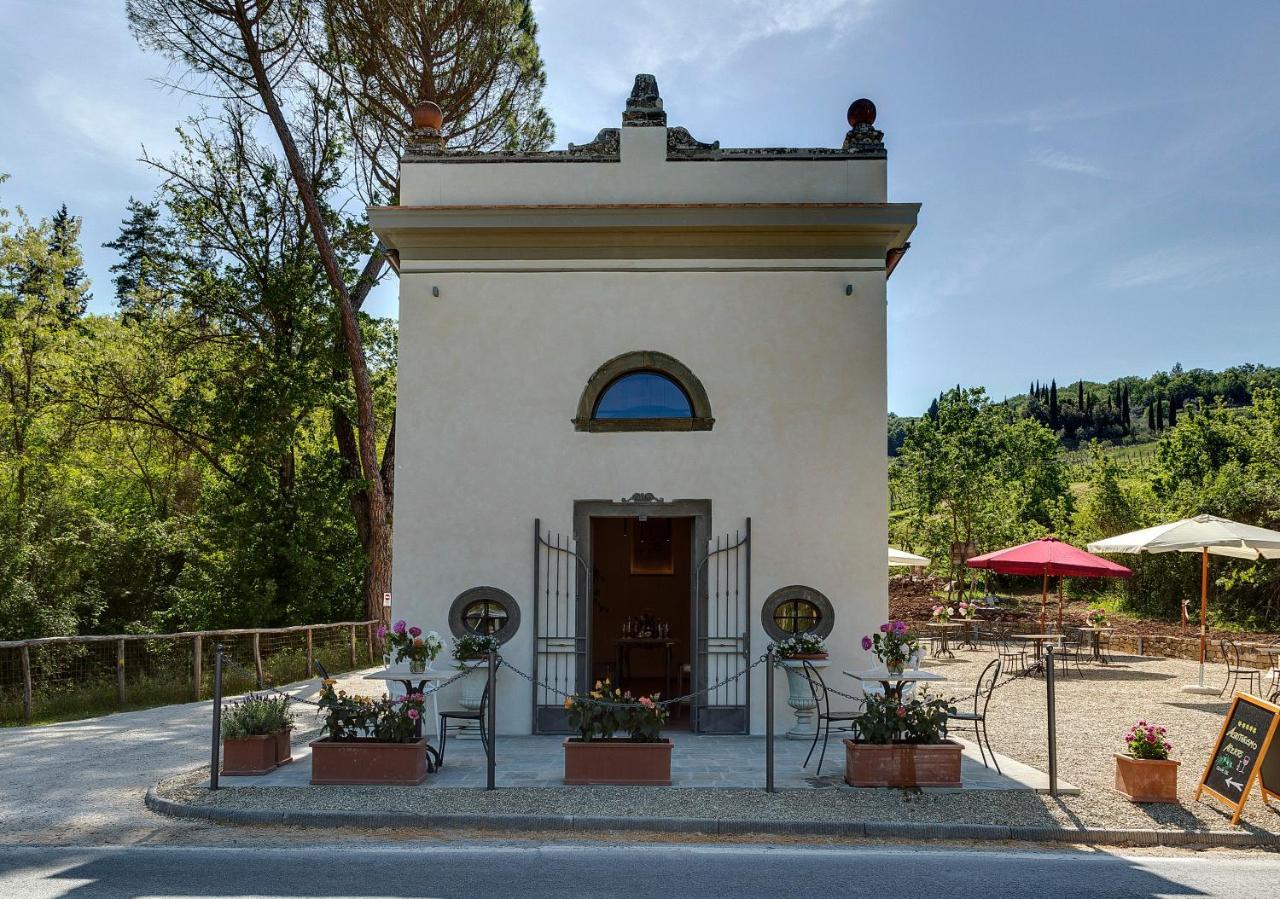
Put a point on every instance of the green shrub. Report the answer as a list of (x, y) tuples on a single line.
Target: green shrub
[(255, 716)]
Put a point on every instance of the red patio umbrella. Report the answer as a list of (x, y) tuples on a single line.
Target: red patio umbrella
[(1048, 556)]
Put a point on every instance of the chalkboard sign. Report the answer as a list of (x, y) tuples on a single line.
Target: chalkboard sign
[(1243, 753)]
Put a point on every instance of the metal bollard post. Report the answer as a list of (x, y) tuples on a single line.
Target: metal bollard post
[(493, 719), (1053, 721), (768, 722), (217, 717)]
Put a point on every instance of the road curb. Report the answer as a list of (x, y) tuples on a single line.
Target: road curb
[(898, 830)]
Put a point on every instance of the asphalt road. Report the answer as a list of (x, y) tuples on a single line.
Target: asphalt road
[(633, 871)]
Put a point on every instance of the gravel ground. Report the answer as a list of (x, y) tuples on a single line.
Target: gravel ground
[(1094, 712)]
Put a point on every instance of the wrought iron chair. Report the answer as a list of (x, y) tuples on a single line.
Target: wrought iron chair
[(825, 716), (982, 691), (1236, 669), (1073, 646), (1274, 657), (480, 716), (1011, 655)]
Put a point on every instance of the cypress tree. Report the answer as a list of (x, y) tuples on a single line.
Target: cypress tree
[(1124, 408), (1173, 412), (1159, 415), (1053, 405), (933, 410), (1151, 417)]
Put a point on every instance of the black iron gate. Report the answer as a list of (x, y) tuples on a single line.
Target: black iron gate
[(561, 580), (722, 589)]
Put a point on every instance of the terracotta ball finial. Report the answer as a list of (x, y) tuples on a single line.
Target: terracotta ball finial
[(862, 112), (428, 115)]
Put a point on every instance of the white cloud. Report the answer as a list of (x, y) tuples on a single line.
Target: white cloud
[(1179, 267), (1063, 162)]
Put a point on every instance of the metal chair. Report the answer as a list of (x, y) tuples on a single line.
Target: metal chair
[(1071, 648), (978, 717), (1011, 655), (1274, 657), (825, 716), (1236, 669), (480, 716)]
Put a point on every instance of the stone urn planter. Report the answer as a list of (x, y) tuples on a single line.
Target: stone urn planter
[(1147, 780), (368, 761), (800, 695), (902, 764), (617, 762), (473, 693), (250, 755)]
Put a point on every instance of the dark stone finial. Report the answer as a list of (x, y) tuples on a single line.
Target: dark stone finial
[(644, 106), (862, 112), (425, 137), (863, 136)]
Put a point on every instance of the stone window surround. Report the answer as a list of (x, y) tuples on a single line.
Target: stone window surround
[(637, 361), (783, 595), (487, 594)]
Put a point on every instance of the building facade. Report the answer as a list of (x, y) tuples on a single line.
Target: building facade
[(641, 409)]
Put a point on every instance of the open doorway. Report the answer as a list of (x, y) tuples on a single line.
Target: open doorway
[(641, 614)]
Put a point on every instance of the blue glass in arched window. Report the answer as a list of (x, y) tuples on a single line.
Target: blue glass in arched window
[(643, 394)]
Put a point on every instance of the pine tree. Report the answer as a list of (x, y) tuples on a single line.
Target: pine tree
[(146, 248), (66, 234), (1053, 405)]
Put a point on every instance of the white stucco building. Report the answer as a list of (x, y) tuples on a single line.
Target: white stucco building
[(642, 390)]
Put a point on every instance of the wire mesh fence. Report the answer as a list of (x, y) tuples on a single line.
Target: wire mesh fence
[(63, 678)]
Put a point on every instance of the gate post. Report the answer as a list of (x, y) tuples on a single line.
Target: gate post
[(768, 722), (492, 725), (217, 716), (197, 662), (26, 683), (120, 674)]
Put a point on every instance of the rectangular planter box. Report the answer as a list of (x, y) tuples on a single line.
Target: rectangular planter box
[(619, 762), (901, 765), (368, 762), (1147, 780), (250, 755), (284, 746)]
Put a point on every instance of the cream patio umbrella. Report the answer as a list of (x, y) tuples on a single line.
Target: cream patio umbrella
[(1204, 534), (904, 558)]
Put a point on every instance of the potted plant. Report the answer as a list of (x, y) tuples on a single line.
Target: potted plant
[(1097, 618), (902, 743), (1146, 773), (791, 654), (968, 610), (893, 646), (941, 613), (369, 741), (598, 756), (409, 642), (255, 735)]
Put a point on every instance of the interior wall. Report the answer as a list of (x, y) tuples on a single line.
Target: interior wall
[(618, 594)]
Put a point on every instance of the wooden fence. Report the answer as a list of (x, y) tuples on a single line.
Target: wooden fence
[(80, 671)]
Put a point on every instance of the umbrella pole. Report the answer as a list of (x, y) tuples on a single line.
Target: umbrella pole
[(1044, 599), (1204, 608), (1059, 604)]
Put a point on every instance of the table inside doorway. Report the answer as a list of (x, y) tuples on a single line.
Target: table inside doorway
[(624, 645)]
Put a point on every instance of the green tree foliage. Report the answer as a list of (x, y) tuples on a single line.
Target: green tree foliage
[(978, 475), (148, 252)]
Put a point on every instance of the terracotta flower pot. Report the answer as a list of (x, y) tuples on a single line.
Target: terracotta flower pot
[(1147, 780), (368, 761), (901, 764), (284, 746), (810, 656), (618, 762), (249, 755)]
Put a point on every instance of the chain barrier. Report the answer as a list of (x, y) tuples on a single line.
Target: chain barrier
[(675, 700), (244, 672)]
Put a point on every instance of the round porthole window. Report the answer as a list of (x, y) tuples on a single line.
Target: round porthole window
[(797, 610), (485, 612)]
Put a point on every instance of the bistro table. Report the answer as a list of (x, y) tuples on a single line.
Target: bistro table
[(1039, 640), (943, 629), (624, 645), (416, 682), (893, 683), (1271, 651), (1095, 641)]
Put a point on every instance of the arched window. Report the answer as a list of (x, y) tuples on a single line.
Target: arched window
[(484, 612), (797, 610), (643, 394), (643, 391)]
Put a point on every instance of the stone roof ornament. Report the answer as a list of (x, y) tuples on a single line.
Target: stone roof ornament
[(644, 106), (681, 143), (863, 137), (606, 143), (426, 138)]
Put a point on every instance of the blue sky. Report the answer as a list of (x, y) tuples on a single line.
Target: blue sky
[(1101, 181)]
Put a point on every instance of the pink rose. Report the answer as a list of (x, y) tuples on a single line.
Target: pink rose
[(414, 714), (415, 631), (884, 628), (866, 643)]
